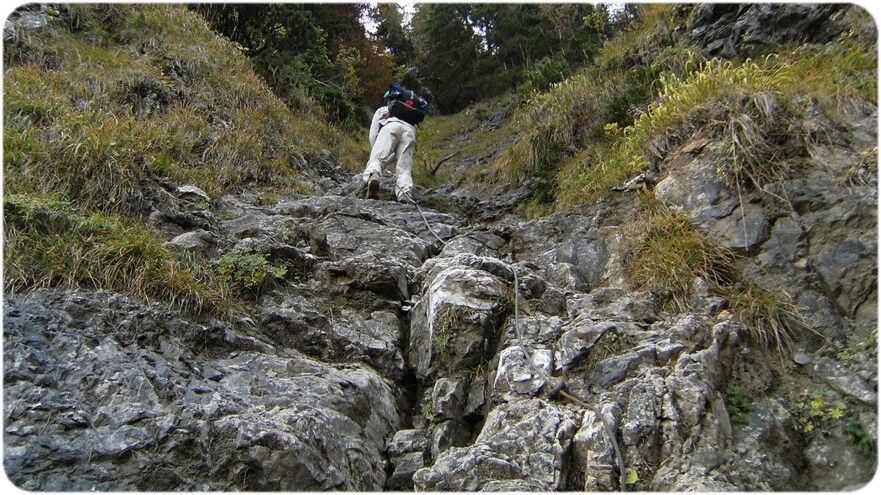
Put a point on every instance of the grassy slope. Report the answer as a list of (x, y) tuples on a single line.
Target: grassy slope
[(582, 137), (593, 130), (477, 134), (110, 96), (215, 123)]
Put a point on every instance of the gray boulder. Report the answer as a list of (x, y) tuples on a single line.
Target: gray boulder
[(522, 443), (459, 310), (694, 186), (131, 396)]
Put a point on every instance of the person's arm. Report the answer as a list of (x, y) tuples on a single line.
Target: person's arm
[(374, 125)]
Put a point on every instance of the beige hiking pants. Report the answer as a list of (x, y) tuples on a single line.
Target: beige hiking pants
[(395, 141)]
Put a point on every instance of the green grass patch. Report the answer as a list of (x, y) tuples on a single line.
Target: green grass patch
[(643, 39), (136, 91), (251, 273), (738, 400), (563, 131), (473, 135), (52, 243)]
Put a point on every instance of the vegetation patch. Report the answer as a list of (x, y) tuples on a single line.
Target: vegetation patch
[(668, 253), (817, 409), (137, 91), (751, 105), (864, 171), (641, 41), (856, 346), (566, 128), (857, 435), (475, 134), (426, 409), (665, 255), (250, 273), (51, 243), (444, 330), (610, 344), (770, 315), (738, 401)]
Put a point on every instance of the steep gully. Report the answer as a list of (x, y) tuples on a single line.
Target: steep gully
[(390, 360)]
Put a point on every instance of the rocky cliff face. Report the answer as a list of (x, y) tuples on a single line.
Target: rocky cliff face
[(491, 352), (390, 360)]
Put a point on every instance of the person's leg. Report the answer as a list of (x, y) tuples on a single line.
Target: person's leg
[(406, 147), (382, 152)]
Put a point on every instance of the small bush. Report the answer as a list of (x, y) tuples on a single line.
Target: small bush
[(857, 435), (633, 90), (817, 409), (427, 409), (739, 402), (543, 74), (250, 273)]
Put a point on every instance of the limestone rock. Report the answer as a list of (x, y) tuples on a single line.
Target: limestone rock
[(190, 191), (522, 442), (458, 311), (136, 397), (189, 240)]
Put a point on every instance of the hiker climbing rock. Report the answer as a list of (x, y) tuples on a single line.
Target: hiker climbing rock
[(393, 138)]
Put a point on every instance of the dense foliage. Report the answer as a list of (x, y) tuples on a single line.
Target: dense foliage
[(456, 53), (310, 49), (468, 52)]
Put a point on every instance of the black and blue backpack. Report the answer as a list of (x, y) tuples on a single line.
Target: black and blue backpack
[(405, 104)]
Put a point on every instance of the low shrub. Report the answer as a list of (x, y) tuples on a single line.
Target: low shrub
[(738, 400), (251, 273)]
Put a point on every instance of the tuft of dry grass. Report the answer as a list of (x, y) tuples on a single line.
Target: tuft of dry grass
[(770, 315), (864, 170), (667, 253), (51, 243)]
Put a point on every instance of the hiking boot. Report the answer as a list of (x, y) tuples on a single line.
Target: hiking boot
[(373, 186), (406, 199)]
